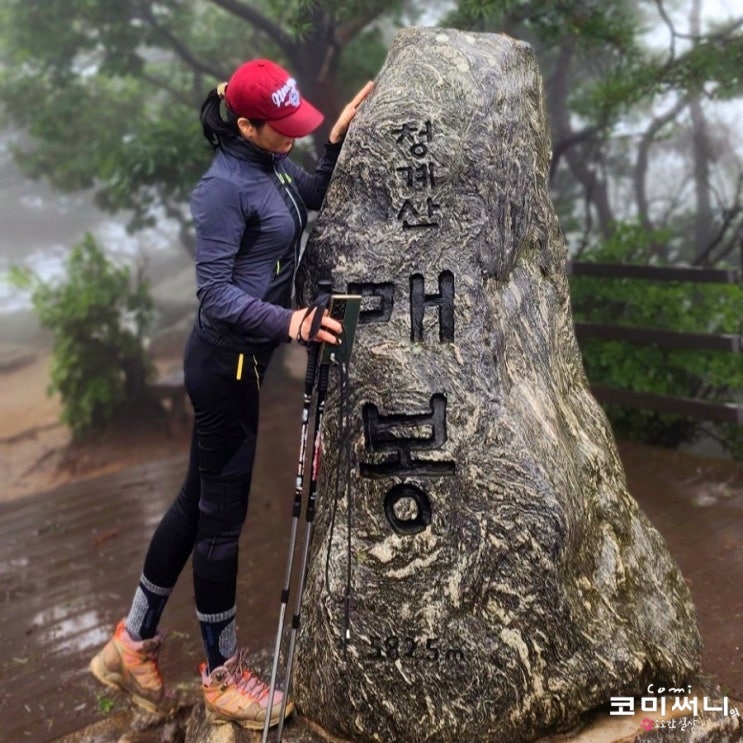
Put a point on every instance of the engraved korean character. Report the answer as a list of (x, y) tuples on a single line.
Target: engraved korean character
[(409, 132), (415, 175), (411, 217)]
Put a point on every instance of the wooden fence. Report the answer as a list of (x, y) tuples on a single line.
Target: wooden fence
[(732, 343)]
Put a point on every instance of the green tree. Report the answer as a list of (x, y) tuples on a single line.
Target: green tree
[(636, 127), (98, 317), (677, 306), (106, 94)]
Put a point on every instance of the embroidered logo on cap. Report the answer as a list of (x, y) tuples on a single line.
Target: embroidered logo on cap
[(287, 94)]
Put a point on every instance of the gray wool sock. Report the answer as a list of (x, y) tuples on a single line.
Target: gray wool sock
[(146, 610), (218, 632)]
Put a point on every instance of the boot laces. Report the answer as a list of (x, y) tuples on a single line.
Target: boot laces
[(148, 657), (246, 681)]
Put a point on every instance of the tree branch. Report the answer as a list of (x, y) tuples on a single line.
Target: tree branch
[(729, 217), (176, 93), (669, 23), (251, 15), (569, 141), (594, 188), (348, 30), (643, 158), (180, 49)]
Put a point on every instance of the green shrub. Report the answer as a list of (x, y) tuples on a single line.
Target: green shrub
[(715, 376), (98, 317)]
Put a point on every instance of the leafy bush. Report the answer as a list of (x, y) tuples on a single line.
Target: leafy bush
[(98, 318), (679, 306)]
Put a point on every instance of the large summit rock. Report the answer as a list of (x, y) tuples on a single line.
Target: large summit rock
[(502, 579)]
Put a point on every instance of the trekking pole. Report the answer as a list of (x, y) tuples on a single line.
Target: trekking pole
[(309, 384), (322, 387)]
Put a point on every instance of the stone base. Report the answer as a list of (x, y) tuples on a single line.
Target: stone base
[(184, 720), (599, 727), (655, 727), (665, 725), (296, 730)]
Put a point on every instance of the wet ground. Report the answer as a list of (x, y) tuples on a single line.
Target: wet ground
[(70, 558), (697, 505)]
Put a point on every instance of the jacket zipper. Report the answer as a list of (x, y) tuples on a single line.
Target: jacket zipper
[(285, 180)]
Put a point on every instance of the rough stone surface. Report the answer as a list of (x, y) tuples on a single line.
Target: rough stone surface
[(503, 579), (200, 730)]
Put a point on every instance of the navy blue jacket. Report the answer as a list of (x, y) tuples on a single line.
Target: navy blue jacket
[(249, 211)]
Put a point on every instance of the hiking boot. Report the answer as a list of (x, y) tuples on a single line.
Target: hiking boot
[(131, 666), (232, 693)]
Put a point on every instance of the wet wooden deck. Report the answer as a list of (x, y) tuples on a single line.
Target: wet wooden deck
[(69, 561)]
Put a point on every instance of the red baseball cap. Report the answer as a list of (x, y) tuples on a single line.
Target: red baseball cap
[(261, 89)]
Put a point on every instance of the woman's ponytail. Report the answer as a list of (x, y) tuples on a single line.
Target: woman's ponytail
[(217, 129)]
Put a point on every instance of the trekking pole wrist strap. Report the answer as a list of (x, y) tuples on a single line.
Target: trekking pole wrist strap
[(320, 304)]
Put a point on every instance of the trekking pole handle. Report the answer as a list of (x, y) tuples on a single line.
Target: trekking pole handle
[(313, 352), (322, 381), (322, 388)]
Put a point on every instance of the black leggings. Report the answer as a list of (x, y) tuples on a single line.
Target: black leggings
[(208, 514)]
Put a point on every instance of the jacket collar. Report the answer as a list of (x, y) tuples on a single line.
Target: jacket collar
[(244, 150)]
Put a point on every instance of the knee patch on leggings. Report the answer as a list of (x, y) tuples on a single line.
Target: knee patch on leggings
[(222, 511)]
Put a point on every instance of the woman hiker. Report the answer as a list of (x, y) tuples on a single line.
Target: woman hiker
[(249, 211)]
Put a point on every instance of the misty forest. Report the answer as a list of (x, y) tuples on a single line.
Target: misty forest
[(643, 99)]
